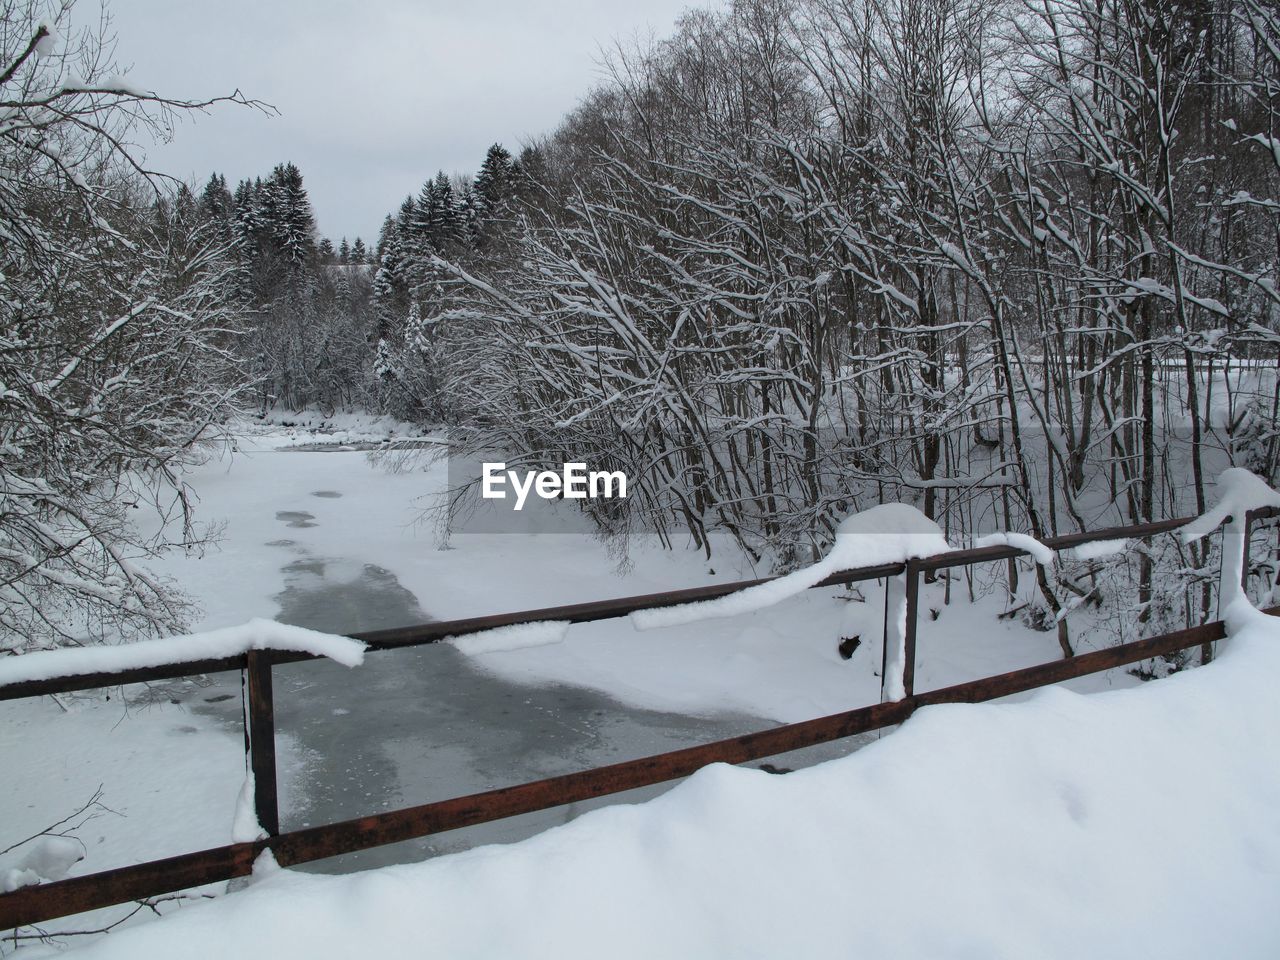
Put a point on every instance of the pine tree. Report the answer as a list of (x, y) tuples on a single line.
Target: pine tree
[(529, 171), (444, 215), (344, 251), (389, 287), (385, 233), (216, 203), (468, 215), (324, 252), (494, 184), (247, 216), (421, 221), (287, 211), (358, 252), (406, 217)]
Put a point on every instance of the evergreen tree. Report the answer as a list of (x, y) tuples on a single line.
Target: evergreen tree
[(444, 218), (287, 210), (421, 222), (358, 252), (216, 203), (468, 215), (530, 170), (387, 231), (324, 252), (406, 217), (495, 182), (390, 293), (344, 251)]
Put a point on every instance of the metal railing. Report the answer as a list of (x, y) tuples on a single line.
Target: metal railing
[(38, 903)]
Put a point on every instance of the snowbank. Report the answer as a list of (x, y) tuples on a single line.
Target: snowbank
[(888, 533), (257, 634), (1137, 823)]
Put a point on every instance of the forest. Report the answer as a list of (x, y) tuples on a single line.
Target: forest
[(1013, 261)]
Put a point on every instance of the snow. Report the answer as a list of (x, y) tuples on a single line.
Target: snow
[(45, 45), (1240, 491), (43, 860), (1099, 549), (1133, 823), (780, 664), (257, 634), (168, 779), (895, 629), (244, 824), (516, 637), (883, 534), (1020, 541)]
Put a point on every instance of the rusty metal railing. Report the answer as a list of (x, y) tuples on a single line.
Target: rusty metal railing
[(42, 902)]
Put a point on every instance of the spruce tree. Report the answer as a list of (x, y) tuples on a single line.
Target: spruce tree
[(216, 203), (290, 221), (385, 233), (494, 183), (444, 218)]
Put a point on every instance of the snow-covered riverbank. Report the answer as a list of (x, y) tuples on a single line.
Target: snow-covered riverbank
[(316, 535)]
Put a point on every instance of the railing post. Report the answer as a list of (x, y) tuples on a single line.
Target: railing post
[(909, 638), (1244, 554), (262, 740), (901, 603)]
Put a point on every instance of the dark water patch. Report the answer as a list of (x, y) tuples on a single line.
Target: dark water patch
[(281, 543), (423, 724), (295, 518), (317, 597), (326, 494)]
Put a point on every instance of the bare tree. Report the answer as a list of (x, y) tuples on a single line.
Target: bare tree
[(115, 337)]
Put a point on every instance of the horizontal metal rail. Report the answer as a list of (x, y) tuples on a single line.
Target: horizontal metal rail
[(421, 634), (36, 904), (398, 638)]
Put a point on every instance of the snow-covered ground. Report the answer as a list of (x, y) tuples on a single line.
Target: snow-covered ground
[(1137, 823), (292, 501)]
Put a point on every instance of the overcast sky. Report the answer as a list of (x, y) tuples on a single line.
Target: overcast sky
[(373, 98)]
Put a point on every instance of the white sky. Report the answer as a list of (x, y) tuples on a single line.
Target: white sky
[(373, 99)]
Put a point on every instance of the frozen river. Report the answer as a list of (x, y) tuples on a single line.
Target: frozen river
[(416, 725)]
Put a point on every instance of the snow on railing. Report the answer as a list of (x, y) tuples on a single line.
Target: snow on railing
[(257, 634)]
